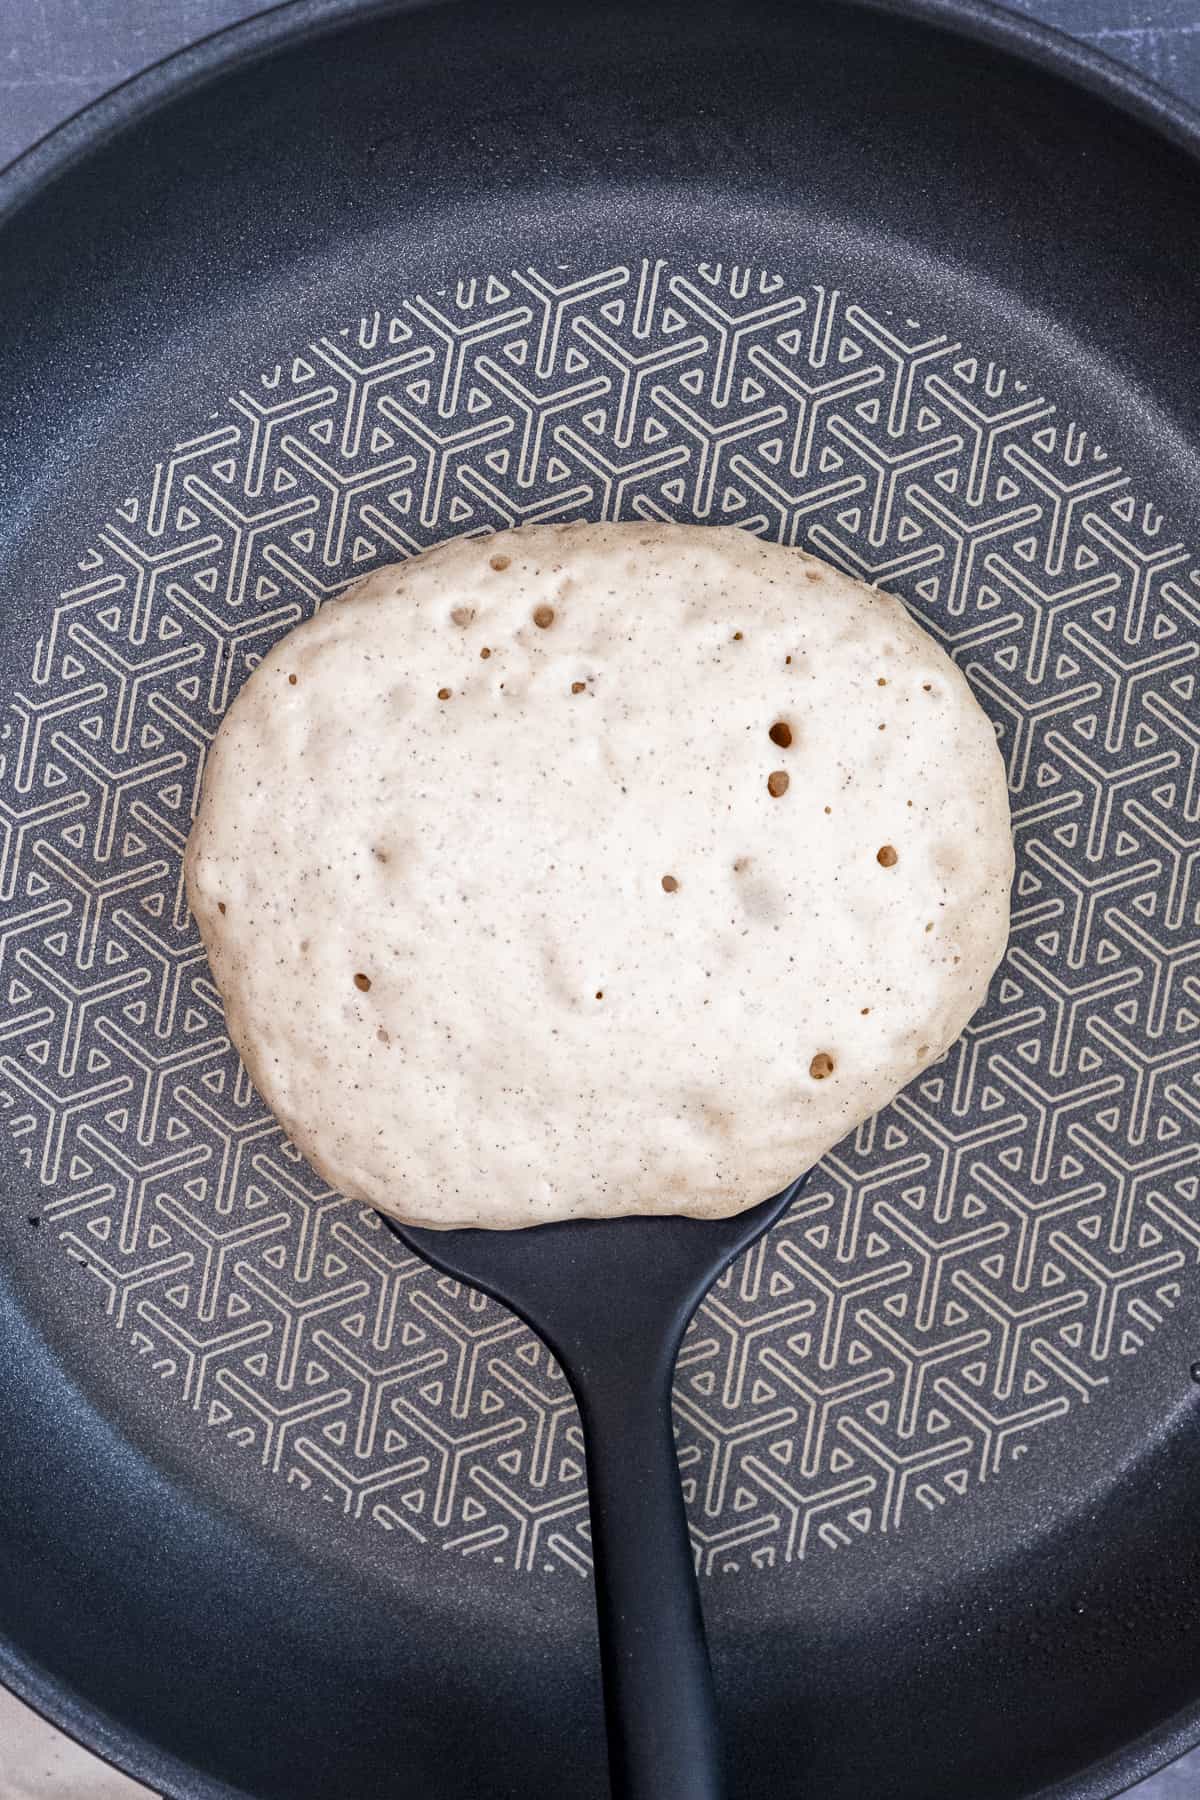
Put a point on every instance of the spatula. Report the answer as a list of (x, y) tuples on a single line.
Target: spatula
[(612, 1299)]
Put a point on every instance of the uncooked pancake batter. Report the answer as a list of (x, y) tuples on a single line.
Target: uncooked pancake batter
[(597, 869)]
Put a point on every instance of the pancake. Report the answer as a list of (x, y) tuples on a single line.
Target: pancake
[(590, 870)]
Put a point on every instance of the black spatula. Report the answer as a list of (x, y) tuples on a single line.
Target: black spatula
[(612, 1299)]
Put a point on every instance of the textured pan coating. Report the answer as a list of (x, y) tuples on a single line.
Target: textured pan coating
[(602, 869)]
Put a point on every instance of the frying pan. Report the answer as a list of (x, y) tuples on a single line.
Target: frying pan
[(286, 1513)]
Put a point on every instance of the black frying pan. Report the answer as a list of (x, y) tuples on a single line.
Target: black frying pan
[(286, 1513)]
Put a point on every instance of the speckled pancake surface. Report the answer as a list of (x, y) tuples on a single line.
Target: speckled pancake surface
[(582, 871)]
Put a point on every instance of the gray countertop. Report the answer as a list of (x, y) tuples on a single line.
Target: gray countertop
[(55, 56)]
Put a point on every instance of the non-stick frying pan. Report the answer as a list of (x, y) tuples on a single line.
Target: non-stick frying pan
[(288, 1514)]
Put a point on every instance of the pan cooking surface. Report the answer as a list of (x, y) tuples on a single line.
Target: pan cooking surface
[(971, 1333), (978, 1259)]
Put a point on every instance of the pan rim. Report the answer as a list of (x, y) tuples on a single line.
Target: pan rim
[(289, 22)]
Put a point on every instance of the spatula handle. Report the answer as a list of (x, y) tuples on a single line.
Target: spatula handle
[(660, 1707)]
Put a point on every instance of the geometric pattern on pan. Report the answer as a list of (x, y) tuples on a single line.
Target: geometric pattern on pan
[(957, 1275)]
